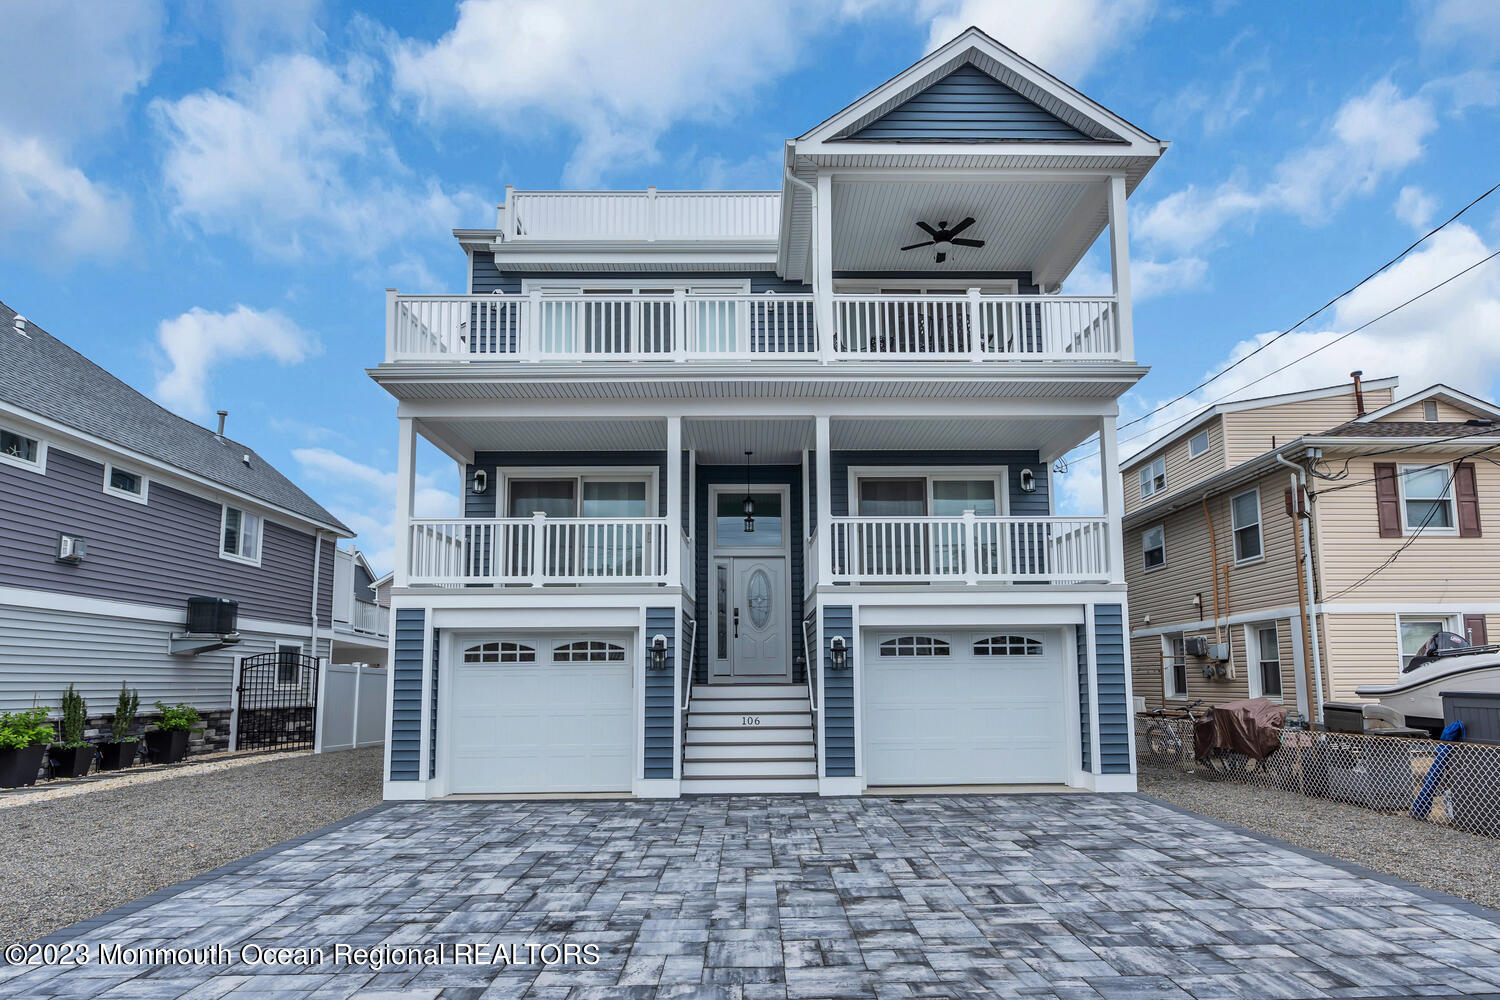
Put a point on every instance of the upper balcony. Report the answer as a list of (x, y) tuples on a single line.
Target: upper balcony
[(679, 327), (639, 216)]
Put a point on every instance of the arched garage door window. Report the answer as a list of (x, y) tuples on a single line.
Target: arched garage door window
[(914, 645), (500, 652), (588, 651), (1008, 645)]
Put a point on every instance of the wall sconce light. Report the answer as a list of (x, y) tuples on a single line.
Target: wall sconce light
[(838, 653), (481, 481), (658, 652), (1028, 481)]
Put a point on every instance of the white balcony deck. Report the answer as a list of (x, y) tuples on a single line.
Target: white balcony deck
[(684, 328), (647, 215), (537, 551)]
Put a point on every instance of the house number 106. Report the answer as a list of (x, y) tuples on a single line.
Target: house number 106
[(749, 720)]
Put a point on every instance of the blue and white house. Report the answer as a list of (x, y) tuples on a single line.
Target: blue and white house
[(757, 489)]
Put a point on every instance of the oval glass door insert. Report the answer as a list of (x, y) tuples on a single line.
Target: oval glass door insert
[(758, 597)]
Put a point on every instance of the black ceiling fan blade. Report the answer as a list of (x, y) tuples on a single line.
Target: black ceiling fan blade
[(967, 243), (915, 245), (961, 226), (927, 229)]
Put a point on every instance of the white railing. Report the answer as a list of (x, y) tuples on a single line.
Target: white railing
[(975, 327), (810, 565), (689, 576), (370, 618), (970, 549), (540, 327), (537, 551), (641, 215)]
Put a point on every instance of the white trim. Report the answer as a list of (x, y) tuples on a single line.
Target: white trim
[(506, 474), (924, 284), (1448, 496), (999, 474), (1146, 476), (558, 286), (1207, 442), (40, 465), (1162, 527), (1437, 390), (729, 553), (142, 497), (1253, 663), (1259, 525), (1451, 622), (260, 536), (47, 600), (1168, 678)]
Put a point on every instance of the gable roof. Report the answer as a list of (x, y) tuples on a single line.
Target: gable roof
[(967, 105), (42, 375), (1446, 393)]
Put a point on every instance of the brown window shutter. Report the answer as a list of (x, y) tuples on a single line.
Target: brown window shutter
[(1474, 630), (1387, 500), (1467, 492)]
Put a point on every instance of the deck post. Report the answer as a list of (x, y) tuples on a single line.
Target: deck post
[(406, 485), (823, 267), (825, 500), (1119, 268), (674, 501), (1113, 497)]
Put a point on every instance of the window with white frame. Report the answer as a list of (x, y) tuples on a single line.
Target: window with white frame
[(288, 664), (1429, 410), (125, 483), (1416, 630), (939, 493), (20, 449), (1197, 444), (1263, 653), (1153, 477), (1244, 514), (239, 536), (1427, 499), (1154, 547), (1174, 665), (579, 496)]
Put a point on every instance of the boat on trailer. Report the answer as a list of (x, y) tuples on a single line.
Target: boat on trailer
[(1445, 663)]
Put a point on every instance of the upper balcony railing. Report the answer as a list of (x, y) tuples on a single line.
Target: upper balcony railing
[(640, 215), (970, 549), (681, 327), (537, 551)]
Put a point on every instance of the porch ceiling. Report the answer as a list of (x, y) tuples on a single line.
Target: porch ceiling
[(1020, 223)]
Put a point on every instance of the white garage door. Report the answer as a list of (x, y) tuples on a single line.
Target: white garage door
[(944, 707), (536, 714)]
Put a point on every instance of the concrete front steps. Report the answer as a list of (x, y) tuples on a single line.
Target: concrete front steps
[(749, 739)]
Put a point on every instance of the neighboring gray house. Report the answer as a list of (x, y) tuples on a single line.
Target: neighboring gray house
[(113, 512)]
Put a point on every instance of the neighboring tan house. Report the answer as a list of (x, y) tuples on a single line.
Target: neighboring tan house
[(781, 459), (1397, 495), (113, 513)]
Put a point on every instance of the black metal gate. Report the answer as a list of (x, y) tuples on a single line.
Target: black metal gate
[(278, 702)]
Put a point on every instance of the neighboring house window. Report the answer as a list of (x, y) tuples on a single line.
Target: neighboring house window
[(1264, 653), (1416, 630), (1197, 444), (240, 536), (18, 449), (124, 483), (1244, 511), (1429, 411), (1174, 664), (914, 645), (1427, 499), (1154, 547), (288, 664), (1153, 478)]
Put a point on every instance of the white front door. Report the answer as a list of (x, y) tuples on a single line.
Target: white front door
[(758, 620), (966, 707)]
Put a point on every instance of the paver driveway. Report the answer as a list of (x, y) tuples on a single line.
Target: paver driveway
[(1040, 896)]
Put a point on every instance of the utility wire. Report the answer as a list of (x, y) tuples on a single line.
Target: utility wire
[(1343, 474)]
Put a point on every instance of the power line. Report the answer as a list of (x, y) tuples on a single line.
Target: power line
[(1423, 443)]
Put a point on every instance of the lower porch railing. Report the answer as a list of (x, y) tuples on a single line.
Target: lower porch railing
[(537, 551), (970, 549)]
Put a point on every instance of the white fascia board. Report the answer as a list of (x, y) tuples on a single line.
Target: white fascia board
[(97, 449), (530, 600), (48, 600), (1437, 390), (582, 254), (1412, 444), (838, 409), (1250, 469)]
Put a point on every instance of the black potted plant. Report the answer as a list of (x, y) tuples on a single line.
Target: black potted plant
[(120, 751), (23, 741), (168, 744), (72, 756)]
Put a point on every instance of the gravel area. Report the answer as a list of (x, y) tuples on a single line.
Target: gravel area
[(76, 857), (1426, 854)]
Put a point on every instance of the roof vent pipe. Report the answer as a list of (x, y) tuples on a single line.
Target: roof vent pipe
[(1359, 394), (219, 434)]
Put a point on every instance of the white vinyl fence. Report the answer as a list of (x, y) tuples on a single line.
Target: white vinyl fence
[(351, 707)]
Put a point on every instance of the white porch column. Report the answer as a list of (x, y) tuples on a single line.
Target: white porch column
[(406, 485), (823, 266), (674, 501), (1113, 497), (825, 505), (1119, 265)]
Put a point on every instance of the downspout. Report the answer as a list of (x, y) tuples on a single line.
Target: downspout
[(1309, 620), (1213, 550), (317, 568)]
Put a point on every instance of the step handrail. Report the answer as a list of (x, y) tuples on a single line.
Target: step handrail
[(691, 634)]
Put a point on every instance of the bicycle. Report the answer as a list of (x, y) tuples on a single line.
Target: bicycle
[(1162, 741)]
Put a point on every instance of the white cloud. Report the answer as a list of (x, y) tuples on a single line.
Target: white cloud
[(1372, 136), (1460, 23), (615, 73), (289, 157), (44, 199), (1148, 278), (1415, 207), (198, 341), (1078, 491), (1064, 37), (364, 497), (252, 28)]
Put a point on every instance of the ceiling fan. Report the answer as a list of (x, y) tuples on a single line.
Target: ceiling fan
[(942, 234)]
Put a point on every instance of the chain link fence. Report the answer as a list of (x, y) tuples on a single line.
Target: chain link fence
[(1455, 784)]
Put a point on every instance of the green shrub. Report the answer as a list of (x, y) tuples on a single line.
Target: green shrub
[(19, 730), (126, 707), (75, 716), (177, 717)]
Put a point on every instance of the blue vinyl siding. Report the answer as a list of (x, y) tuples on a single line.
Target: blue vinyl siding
[(968, 105), (1114, 713), (712, 475), (406, 698), (1086, 742), (838, 694), (1032, 504), (659, 726)]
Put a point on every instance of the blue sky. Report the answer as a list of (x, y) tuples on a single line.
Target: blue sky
[(207, 198)]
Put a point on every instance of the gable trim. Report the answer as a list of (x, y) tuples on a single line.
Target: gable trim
[(1438, 390), (966, 105)]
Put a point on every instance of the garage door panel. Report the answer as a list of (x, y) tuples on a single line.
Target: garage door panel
[(964, 718)]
